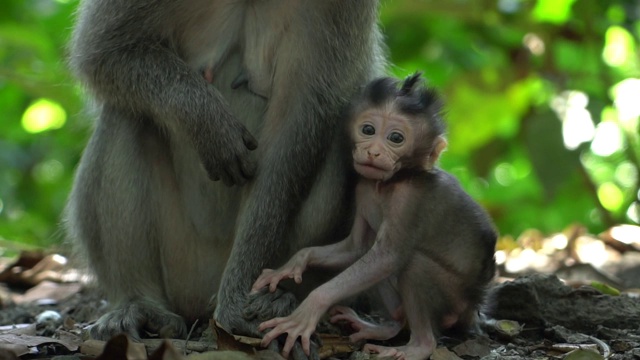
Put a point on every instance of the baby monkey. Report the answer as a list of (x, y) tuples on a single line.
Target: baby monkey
[(417, 236)]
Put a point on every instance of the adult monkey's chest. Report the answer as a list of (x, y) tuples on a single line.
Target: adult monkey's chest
[(267, 24), (253, 28)]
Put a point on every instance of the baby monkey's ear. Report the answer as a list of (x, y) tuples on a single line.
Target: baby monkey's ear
[(439, 144)]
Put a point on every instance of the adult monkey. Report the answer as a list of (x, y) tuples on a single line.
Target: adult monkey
[(156, 226)]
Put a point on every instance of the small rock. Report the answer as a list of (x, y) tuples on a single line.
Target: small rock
[(49, 317)]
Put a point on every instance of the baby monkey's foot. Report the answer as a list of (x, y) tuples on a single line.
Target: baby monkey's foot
[(364, 329), (384, 352), (400, 353)]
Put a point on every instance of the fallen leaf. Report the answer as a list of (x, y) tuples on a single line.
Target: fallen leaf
[(508, 328), (334, 344), (581, 354), (222, 355), (92, 347), (68, 323), (604, 288), (166, 351), (473, 347), (69, 338), (21, 329), (118, 347), (180, 345), (442, 353), (48, 290), (567, 348), (34, 341), (269, 355), (226, 341), (12, 274), (12, 351), (50, 268)]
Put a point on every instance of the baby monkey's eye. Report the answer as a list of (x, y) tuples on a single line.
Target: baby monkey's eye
[(368, 130), (395, 137)]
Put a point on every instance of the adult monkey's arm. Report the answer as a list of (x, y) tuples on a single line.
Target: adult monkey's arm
[(332, 48)]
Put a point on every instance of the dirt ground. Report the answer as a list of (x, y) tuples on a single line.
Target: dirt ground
[(534, 316)]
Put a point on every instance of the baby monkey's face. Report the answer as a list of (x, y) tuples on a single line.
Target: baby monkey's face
[(381, 139)]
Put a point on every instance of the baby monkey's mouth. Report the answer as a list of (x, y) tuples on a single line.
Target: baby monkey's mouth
[(369, 164), (370, 170)]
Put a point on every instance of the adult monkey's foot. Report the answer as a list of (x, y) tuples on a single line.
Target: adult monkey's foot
[(265, 305), (132, 317)]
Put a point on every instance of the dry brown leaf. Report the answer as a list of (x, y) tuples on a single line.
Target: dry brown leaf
[(21, 329), (92, 347), (69, 338), (118, 347), (565, 348), (166, 351), (49, 268), (12, 274), (180, 345), (226, 341), (34, 341), (49, 291), (331, 344), (221, 355), (473, 347), (69, 323), (11, 352), (334, 345), (268, 355), (442, 353)]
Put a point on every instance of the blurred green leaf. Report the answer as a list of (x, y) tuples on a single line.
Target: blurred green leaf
[(551, 161), (553, 11)]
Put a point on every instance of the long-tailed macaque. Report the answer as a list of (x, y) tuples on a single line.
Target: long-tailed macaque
[(173, 116), (417, 235)]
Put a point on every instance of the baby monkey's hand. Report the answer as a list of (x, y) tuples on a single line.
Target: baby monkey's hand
[(293, 269)]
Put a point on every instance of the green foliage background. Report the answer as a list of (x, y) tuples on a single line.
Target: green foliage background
[(514, 73)]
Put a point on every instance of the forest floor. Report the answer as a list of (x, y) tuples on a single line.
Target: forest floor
[(592, 313)]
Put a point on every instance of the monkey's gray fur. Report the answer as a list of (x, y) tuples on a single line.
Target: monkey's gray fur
[(160, 235)]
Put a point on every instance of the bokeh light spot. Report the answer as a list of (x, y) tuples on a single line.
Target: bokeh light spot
[(505, 174), (626, 174), (577, 124), (48, 171), (618, 47), (610, 196), (626, 95), (43, 115), (633, 212), (607, 140), (534, 43)]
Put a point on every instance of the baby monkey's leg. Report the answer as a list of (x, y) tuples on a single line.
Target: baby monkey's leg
[(429, 293), (368, 330), (422, 341)]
